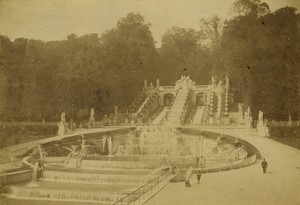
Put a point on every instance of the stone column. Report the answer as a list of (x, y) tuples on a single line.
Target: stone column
[(211, 102), (226, 102), (219, 110)]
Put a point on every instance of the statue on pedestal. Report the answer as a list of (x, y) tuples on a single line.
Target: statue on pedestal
[(63, 118), (220, 83), (157, 83), (145, 87), (213, 80), (248, 118), (116, 110), (92, 118), (260, 116), (62, 129), (241, 114), (247, 113), (227, 82), (240, 106), (151, 86), (262, 129), (290, 120), (115, 118)]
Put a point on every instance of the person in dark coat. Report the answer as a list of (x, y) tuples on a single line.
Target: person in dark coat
[(188, 183), (198, 177), (264, 165), (197, 161)]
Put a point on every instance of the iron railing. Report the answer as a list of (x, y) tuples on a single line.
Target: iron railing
[(141, 194)]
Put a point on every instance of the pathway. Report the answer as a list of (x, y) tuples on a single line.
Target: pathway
[(280, 186)]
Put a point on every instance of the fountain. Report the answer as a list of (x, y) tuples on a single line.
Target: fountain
[(160, 141), (139, 158), (34, 178), (36, 163), (79, 152)]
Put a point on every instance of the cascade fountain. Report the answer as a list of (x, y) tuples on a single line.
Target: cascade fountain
[(34, 178), (139, 157), (159, 141)]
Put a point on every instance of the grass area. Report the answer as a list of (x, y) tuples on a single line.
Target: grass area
[(16, 134), (291, 141), (289, 135)]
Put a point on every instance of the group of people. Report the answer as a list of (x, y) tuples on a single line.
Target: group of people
[(264, 165), (188, 183)]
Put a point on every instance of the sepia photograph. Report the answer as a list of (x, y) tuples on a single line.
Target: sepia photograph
[(149, 102)]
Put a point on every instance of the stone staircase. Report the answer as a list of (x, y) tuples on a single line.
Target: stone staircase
[(177, 110), (199, 115), (160, 118)]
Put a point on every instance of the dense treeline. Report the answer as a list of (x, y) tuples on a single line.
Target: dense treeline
[(42, 79), (258, 49), (260, 52)]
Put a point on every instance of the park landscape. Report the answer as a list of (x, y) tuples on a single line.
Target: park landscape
[(131, 114)]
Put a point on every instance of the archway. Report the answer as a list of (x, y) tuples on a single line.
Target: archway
[(200, 99), (168, 99)]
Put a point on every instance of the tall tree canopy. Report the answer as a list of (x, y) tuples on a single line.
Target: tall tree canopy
[(260, 53), (183, 54), (258, 49), (129, 57)]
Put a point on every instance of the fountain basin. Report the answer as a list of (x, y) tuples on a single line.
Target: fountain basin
[(94, 178)]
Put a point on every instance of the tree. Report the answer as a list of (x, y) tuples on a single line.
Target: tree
[(259, 51), (254, 8), (211, 32), (182, 54), (129, 57)]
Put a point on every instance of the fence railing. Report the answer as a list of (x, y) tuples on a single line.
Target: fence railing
[(144, 192), (168, 87), (283, 123), (230, 165), (202, 86)]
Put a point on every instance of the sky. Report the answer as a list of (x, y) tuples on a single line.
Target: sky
[(56, 19)]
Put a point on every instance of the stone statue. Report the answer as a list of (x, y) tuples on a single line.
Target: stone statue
[(240, 108), (92, 113), (62, 126), (116, 111), (63, 117), (262, 129), (151, 86), (157, 83), (260, 116), (145, 87), (213, 80), (227, 81), (248, 113), (92, 118)]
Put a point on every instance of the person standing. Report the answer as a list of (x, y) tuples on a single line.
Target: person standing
[(197, 161), (264, 165), (198, 177)]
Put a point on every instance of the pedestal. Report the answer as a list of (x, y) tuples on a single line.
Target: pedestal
[(248, 124), (91, 123), (226, 120), (211, 120), (62, 129), (262, 130), (115, 120)]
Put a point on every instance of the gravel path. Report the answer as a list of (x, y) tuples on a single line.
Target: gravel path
[(248, 185)]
